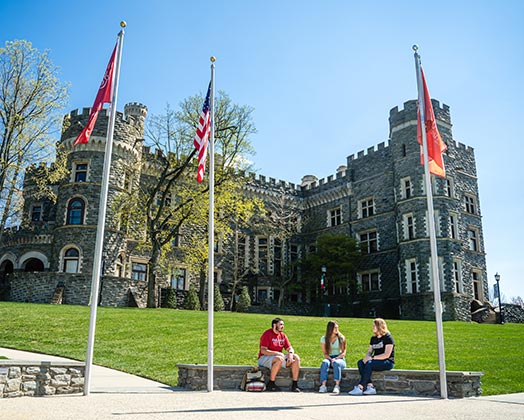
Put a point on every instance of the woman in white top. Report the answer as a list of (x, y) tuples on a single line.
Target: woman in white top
[(334, 350)]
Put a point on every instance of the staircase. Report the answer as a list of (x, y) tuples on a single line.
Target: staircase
[(56, 299)]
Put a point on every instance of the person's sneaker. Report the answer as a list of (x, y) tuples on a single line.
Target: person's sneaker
[(356, 391), (336, 390), (322, 389), (271, 386), (295, 388), (370, 390)]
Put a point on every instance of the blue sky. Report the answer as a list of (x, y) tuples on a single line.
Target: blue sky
[(322, 77)]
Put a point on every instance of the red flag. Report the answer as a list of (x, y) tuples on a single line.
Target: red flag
[(103, 96), (435, 144), (202, 135)]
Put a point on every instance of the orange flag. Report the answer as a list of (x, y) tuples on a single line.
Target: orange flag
[(435, 144), (103, 96)]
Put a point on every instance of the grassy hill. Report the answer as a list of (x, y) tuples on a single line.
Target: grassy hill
[(150, 342)]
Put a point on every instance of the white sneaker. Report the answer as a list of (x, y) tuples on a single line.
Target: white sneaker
[(370, 390), (323, 388), (356, 391), (336, 390)]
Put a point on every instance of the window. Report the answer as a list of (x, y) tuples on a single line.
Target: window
[(409, 226), (457, 276), (477, 285), (473, 241), (241, 257), (71, 258), (119, 269), (404, 153), (178, 279), (75, 212), (80, 172), (138, 271), (368, 242), (335, 217), (470, 204), (36, 213), (370, 281), (293, 252), (405, 186), (262, 255), (453, 226), (450, 188), (366, 207), (412, 276), (277, 257)]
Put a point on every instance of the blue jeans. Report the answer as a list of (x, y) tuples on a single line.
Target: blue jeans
[(366, 369), (337, 364)]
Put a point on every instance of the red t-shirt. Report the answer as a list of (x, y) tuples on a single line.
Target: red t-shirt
[(274, 342)]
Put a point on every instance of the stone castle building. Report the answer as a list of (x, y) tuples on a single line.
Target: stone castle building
[(377, 197)]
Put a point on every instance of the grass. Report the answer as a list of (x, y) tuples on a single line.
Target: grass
[(150, 342)]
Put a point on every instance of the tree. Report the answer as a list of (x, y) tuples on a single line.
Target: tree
[(31, 102), (218, 300), (169, 203), (340, 254), (244, 301), (282, 221), (191, 301)]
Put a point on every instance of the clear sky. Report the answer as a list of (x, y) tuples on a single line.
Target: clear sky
[(321, 75)]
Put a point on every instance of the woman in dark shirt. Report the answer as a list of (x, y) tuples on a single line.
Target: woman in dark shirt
[(380, 356)]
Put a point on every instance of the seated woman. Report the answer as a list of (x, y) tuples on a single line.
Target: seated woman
[(334, 350), (380, 356)]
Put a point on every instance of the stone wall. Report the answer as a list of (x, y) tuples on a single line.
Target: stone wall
[(25, 378), (394, 382), (513, 313)]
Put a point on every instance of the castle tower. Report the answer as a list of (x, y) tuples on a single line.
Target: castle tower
[(461, 257)]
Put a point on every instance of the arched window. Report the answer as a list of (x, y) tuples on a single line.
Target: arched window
[(71, 259), (75, 212), (33, 264)]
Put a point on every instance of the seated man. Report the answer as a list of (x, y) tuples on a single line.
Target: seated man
[(272, 342)]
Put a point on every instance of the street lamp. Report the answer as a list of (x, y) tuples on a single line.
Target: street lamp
[(323, 289), (501, 316)]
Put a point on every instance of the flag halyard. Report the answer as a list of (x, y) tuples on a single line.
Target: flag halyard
[(202, 136), (435, 144), (103, 96)]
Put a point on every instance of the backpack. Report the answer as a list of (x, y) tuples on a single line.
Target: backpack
[(253, 380)]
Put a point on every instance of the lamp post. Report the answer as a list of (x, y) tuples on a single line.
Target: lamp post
[(323, 289), (501, 315)]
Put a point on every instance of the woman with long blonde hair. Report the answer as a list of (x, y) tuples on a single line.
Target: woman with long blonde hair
[(334, 350), (380, 356)]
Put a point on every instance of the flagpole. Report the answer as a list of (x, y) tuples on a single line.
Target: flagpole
[(99, 245), (432, 232), (211, 233)]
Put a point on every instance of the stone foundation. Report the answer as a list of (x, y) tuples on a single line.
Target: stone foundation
[(393, 382), (23, 378)]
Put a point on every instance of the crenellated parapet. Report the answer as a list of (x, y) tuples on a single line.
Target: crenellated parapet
[(400, 118), (129, 127)]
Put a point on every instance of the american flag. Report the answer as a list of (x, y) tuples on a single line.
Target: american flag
[(202, 135)]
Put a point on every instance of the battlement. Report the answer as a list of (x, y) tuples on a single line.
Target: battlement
[(409, 113), (381, 147), (129, 126)]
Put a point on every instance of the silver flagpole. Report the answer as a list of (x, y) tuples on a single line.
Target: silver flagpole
[(97, 263), (211, 233), (432, 232)]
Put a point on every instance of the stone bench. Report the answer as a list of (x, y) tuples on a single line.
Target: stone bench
[(394, 382), (28, 378)]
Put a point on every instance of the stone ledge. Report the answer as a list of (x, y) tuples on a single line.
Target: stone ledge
[(39, 378), (394, 382)]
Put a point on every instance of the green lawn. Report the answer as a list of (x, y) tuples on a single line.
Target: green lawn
[(150, 342)]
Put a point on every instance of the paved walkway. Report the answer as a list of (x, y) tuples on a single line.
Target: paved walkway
[(119, 396)]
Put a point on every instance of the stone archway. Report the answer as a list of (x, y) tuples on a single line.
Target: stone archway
[(33, 264)]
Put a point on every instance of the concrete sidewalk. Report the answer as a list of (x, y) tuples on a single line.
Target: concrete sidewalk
[(116, 395)]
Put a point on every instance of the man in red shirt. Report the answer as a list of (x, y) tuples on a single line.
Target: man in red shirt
[(272, 342)]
